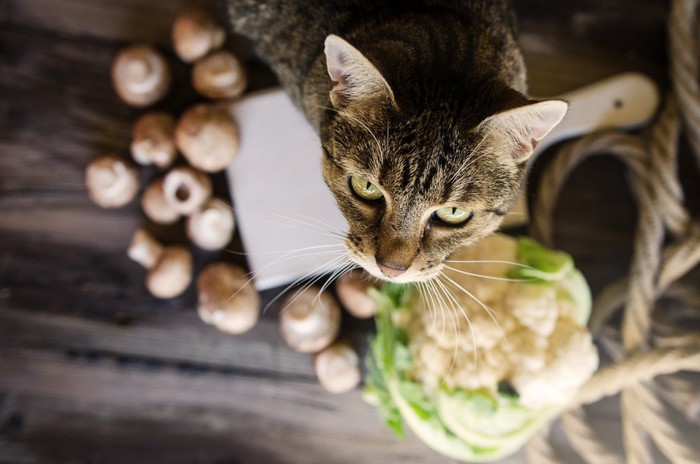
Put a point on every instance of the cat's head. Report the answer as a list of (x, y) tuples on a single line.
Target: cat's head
[(415, 185)]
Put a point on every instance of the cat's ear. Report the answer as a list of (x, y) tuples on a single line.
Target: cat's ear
[(354, 79), (518, 131)]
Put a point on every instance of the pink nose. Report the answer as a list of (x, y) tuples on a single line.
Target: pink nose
[(391, 270)]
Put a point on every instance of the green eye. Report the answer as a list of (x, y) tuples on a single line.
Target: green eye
[(452, 215), (365, 189)]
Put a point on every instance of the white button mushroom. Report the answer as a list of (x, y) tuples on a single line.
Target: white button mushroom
[(211, 227), (310, 320), (154, 140), (195, 33), (227, 299), (156, 207), (140, 75), (352, 289), (111, 182), (186, 189), (338, 368), (169, 268), (207, 136), (219, 76)]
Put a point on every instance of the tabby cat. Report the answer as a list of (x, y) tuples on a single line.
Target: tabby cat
[(422, 113)]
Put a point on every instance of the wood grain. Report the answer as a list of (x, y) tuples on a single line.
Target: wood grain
[(93, 369)]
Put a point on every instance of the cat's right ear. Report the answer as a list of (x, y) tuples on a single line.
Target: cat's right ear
[(354, 79)]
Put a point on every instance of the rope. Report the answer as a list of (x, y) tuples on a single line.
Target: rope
[(645, 345)]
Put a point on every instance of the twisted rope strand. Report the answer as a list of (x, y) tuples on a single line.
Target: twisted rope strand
[(643, 348)]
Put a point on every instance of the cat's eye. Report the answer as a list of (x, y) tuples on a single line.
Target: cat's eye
[(365, 189), (452, 216)]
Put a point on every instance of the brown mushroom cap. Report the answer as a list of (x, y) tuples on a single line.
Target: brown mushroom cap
[(352, 292), (154, 140), (338, 368), (111, 182), (171, 274), (156, 207), (227, 299), (140, 75), (211, 227), (207, 136), (195, 33), (219, 75), (186, 189), (310, 320)]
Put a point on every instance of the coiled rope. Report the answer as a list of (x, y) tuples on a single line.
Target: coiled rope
[(646, 345)]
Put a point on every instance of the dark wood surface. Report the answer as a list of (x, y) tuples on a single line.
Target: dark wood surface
[(94, 370)]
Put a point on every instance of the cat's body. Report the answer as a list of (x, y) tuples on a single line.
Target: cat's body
[(421, 111)]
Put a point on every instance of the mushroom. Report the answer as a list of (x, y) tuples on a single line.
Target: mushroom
[(352, 292), (140, 75), (195, 33), (219, 76), (211, 227), (186, 189), (338, 368), (111, 182), (169, 268), (310, 320), (156, 207), (207, 136), (153, 141), (226, 299)]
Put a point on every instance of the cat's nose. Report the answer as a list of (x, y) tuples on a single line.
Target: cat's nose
[(391, 270)]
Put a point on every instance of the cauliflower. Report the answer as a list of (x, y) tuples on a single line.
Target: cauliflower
[(476, 372)]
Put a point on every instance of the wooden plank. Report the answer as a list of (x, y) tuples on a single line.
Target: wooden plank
[(175, 418)]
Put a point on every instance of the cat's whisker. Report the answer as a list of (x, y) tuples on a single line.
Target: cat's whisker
[(429, 286), (487, 261), (469, 324), (502, 279), (320, 225), (276, 252), (444, 310), (288, 255), (317, 272), (346, 267), (486, 308), (457, 328), (311, 231)]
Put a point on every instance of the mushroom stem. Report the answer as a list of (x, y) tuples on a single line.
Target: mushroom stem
[(144, 249)]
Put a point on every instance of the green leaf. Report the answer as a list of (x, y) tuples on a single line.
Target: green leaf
[(541, 263)]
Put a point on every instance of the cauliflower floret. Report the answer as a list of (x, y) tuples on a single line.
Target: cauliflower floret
[(527, 349), (535, 306), (571, 359)]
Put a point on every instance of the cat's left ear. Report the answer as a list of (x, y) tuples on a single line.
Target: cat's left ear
[(518, 131), (354, 79)]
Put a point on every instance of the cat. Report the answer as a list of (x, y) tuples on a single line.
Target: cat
[(422, 111)]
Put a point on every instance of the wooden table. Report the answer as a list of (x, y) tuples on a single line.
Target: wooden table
[(94, 370)]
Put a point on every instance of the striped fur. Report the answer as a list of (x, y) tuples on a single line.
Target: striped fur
[(437, 139)]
